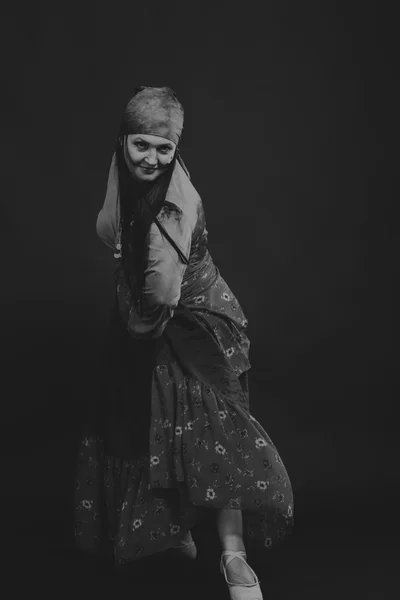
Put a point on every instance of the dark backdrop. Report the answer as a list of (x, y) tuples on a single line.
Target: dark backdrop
[(288, 118)]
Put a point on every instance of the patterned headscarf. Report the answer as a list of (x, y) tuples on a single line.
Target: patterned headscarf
[(154, 111)]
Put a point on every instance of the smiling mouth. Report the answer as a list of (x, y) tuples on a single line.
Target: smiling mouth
[(149, 168)]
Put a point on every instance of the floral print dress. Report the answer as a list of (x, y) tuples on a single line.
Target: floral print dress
[(202, 448)]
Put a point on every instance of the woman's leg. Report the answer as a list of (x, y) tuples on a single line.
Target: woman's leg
[(230, 531)]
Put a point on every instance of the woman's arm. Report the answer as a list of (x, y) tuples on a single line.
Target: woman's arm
[(163, 275)]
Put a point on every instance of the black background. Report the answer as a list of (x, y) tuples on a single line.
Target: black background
[(290, 117)]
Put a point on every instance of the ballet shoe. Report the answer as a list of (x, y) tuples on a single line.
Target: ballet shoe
[(240, 591)]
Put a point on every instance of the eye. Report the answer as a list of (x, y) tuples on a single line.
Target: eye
[(140, 145), (164, 149)]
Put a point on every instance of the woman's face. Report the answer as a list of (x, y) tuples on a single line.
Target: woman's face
[(149, 155)]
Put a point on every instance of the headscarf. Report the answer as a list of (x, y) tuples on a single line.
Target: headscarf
[(154, 111)]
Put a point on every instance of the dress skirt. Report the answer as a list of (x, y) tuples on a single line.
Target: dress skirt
[(172, 435)]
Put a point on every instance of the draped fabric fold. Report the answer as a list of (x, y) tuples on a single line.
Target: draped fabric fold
[(192, 340)]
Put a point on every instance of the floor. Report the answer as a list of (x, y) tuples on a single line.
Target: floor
[(328, 561)]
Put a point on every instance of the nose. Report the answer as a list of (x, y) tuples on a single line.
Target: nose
[(151, 157)]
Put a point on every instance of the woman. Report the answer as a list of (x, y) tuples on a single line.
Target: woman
[(173, 433)]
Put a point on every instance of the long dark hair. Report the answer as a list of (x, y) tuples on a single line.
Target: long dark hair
[(139, 204)]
